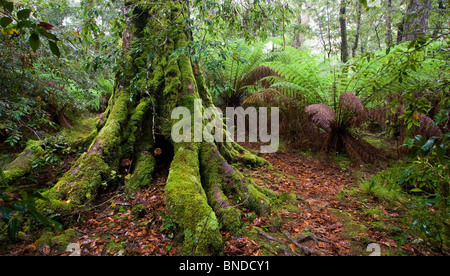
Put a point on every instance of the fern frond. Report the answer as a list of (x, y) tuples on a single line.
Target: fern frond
[(259, 74)]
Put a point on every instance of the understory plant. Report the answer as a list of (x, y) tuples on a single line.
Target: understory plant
[(17, 206), (424, 179)]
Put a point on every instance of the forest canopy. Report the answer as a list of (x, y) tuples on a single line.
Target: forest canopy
[(88, 90)]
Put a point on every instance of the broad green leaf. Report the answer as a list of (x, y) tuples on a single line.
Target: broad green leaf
[(9, 6), (428, 145), (13, 228), (20, 206), (35, 42), (23, 14), (50, 36), (54, 48), (6, 213), (5, 21), (56, 225), (24, 24)]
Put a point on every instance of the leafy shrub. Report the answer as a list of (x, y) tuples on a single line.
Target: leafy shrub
[(426, 179), (18, 204), (41, 88)]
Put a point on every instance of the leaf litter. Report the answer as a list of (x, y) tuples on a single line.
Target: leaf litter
[(117, 227)]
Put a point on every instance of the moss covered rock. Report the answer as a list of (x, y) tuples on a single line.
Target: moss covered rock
[(57, 242)]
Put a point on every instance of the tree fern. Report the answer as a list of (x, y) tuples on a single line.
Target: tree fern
[(302, 74), (242, 71)]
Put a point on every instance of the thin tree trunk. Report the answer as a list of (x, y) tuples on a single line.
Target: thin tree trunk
[(284, 29), (400, 30), (440, 22), (389, 23), (343, 25), (358, 30), (330, 48)]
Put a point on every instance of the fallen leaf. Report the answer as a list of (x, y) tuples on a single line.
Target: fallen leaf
[(292, 247), (46, 249)]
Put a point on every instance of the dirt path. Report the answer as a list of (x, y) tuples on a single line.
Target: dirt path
[(327, 208)]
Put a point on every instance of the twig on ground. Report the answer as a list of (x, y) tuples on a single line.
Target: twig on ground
[(306, 250)]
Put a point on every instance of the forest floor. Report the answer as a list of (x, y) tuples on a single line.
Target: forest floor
[(321, 211)]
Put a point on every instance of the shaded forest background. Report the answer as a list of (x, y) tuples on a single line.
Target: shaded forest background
[(362, 84)]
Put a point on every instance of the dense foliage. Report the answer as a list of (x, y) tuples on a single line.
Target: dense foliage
[(349, 77)]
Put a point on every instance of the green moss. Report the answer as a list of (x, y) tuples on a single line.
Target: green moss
[(142, 174), (135, 132), (80, 185), (21, 236), (109, 137), (115, 247), (138, 210), (352, 228), (23, 163), (188, 205), (217, 177), (257, 200), (231, 219), (269, 247), (82, 133), (59, 242)]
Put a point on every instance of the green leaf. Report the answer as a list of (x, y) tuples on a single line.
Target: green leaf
[(38, 216), (56, 225), (35, 42), (428, 145), (13, 229), (23, 14), (416, 190), (54, 48), (50, 36), (6, 213), (24, 24), (5, 21), (20, 206), (9, 6)]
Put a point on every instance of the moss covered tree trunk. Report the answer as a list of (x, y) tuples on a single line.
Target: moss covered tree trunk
[(203, 190)]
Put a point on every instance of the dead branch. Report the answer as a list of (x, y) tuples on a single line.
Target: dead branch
[(316, 239), (306, 250), (267, 236)]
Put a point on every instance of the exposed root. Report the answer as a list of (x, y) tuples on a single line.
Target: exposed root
[(306, 251), (188, 204)]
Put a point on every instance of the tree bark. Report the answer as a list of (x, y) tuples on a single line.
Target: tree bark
[(202, 189), (416, 19), (441, 21), (343, 24), (358, 30), (389, 38)]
